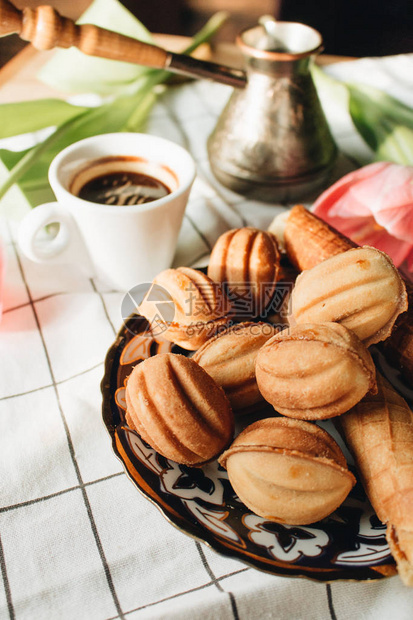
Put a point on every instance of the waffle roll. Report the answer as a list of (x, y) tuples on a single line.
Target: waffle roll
[(308, 240), (379, 433)]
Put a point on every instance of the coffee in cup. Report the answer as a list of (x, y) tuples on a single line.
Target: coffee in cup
[(124, 237), (123, 181)]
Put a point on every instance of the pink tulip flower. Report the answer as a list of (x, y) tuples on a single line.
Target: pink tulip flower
[(374, 206)]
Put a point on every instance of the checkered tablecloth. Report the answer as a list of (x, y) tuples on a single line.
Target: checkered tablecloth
[(77, 540)]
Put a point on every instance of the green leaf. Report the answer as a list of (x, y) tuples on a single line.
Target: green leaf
[(15, 205), (30, 168), (139, 117), (11, 158), (27, 116), (211, 27), (35, 188), (72, 71), (384, 123), (382, 105), (328, 88)]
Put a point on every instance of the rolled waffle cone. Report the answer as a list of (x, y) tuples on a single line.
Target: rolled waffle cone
[(309, 241), (401, 545), (379, 433)]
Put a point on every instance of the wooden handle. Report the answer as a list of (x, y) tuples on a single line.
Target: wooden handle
[(45, 28)]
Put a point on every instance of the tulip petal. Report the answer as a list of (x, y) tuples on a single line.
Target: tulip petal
[(373, 206), (338, 190)]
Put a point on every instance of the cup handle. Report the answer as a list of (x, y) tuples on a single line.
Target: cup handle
[(66, 247)]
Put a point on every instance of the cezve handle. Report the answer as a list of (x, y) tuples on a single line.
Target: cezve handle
[(45, 28)]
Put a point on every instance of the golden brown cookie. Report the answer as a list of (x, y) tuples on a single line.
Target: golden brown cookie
[(247, 260), (314, 371), (229, 358), (201, 307), (288, 471), (178, 409), (359, 288)]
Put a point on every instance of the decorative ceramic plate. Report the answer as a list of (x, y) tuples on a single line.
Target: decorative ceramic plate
[(349, 544)]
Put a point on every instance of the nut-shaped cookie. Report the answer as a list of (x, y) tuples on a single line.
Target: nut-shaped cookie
[(360, 289), (314, 371), (201, 307), (288, 471), (229, 358), (247, 260), (178, 409)]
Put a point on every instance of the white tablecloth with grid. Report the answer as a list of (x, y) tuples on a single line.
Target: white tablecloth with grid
[(77, 540)]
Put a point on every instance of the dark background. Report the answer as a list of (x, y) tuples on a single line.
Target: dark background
[(357, 27), (349, 27)]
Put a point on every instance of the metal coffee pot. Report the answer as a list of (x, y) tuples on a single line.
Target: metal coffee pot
[(272, 141)]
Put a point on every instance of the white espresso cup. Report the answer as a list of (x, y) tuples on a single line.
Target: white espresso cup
[(122, 245)]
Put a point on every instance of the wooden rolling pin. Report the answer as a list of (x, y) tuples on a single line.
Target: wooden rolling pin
[(45, 28)]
